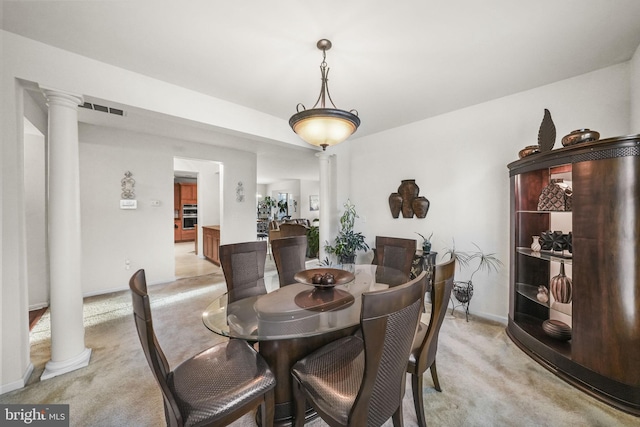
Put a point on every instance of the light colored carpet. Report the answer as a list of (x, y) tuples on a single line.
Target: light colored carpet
[(486, 379)]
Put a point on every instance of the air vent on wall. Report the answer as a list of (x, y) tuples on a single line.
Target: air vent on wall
[(102, 108)]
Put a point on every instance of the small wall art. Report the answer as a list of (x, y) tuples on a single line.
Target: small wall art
[(314, 203), (240, 192)]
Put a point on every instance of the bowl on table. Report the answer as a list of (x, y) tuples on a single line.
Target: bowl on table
[(324, 278)]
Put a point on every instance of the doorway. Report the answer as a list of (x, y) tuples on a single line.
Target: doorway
[(196, 204)]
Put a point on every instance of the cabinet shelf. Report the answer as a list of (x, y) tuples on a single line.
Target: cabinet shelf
[(530, 292), (529, 211), (533, 326), (547, 255), (603, 315)]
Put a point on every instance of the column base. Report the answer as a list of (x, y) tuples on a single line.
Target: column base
[(53, 369)]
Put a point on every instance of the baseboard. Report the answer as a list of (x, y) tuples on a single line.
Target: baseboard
[(38, 306), (491, 317), (15, 385)]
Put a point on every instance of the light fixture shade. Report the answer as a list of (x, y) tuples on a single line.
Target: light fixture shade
[(324, 127)]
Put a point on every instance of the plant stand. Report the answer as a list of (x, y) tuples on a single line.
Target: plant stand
[(461, 292)]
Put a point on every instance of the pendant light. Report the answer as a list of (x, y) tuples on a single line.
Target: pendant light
[(322, 126)]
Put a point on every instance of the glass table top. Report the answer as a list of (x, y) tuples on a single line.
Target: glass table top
[(298, 310)]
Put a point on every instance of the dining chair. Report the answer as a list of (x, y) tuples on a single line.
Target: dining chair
[(292, 229), (395, 252), (212, 388), (243, 268), (289, 254), (425, 344), (359, 380)]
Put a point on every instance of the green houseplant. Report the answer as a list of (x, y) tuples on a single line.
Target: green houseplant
[(270, 203), (347, 242), (313, 239)]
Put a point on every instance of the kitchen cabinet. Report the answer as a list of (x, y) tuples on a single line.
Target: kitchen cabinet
[(188, 194), (603, 313), (188, 235), (211, 243)]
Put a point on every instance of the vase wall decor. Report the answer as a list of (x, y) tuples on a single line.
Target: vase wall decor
[(535, 246), (420, 206), (395, 204), (408, 190), (406, 200), (561, 287)]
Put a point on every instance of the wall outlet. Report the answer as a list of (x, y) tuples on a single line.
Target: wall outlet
[(155, 203), (127, 264)]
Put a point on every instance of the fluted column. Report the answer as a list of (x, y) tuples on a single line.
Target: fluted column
[(68, 351), (325, 208)]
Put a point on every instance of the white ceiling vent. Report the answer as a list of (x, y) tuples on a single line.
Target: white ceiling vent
[(102, 108)]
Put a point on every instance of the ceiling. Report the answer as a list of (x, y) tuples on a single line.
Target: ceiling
[(394, 62)]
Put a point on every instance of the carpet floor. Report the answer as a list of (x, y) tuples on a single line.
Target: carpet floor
[(486, 379)]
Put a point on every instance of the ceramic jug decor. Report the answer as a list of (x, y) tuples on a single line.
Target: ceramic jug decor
[(408, 190), (535, 246), (395, 204), (420, 206)]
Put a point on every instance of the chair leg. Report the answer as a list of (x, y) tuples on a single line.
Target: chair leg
[(418, 402), (397, 417), (267, 409), (300, 403), (434, 376)]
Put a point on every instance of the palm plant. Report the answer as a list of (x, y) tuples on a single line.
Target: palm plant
[(463, 290)]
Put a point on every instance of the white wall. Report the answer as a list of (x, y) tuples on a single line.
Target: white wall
[(635, 92), (144, 236), (35, 219), (459, 161), (27, 63), (308, 188)]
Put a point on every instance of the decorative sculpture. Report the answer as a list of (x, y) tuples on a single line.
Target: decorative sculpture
[(128, 185), (547, 132)]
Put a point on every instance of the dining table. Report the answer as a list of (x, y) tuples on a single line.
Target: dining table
[(292, 321)]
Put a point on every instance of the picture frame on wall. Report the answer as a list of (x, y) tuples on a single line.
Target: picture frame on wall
[(314, 203)]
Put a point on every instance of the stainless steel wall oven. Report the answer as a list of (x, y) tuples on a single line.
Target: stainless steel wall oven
[(189, 217)]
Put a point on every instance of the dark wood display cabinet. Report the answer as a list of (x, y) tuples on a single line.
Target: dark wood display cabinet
[(602, 356)]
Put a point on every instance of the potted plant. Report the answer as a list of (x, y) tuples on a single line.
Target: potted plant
[(347, 242), (313, 238), (426, 242), (463, 289), (270, 203)]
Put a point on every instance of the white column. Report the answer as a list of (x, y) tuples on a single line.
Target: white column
[(325, 208), (68, 351)]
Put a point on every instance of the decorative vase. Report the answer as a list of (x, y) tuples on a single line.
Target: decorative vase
[(395, 204), (463, 291), (426, 247), (347, 259), (535, 246), (420, 206), (579, 136), (408, 190), (561, 287)]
